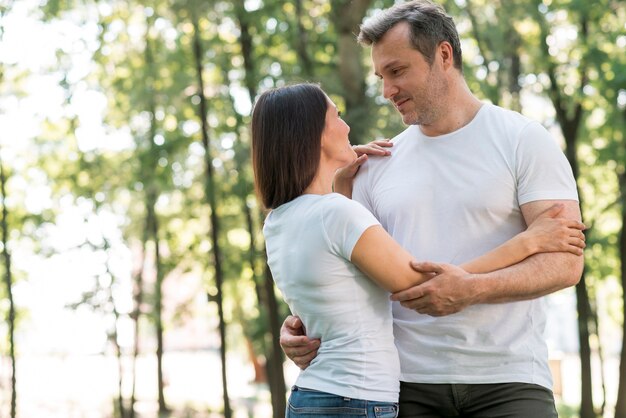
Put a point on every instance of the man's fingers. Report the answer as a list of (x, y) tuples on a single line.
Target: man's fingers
[(303, 361), (291, 327), (296, 341), (427, 267), (293, 322), (302, 347), (408, 294)]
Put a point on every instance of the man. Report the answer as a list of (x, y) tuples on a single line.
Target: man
[(464, 177)]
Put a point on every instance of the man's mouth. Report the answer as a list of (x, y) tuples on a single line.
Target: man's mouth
[(400, 102)]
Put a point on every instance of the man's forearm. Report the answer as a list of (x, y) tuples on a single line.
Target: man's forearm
[(534, 277)]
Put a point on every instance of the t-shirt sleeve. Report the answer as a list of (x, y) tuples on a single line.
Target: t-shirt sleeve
[(344, 222), (361, 189), (543, 172)]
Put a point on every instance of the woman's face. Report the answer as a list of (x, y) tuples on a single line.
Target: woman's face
[(336, 146)]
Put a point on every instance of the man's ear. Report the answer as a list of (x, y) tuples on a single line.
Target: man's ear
[(445, 52)]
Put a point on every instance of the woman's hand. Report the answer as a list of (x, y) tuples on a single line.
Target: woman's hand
[(549, 233), (376, 147), (345, 175)]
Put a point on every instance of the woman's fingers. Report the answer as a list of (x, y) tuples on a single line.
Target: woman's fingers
[(573, 224)]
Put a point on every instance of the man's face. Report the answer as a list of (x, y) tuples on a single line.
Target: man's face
[(417, 89)]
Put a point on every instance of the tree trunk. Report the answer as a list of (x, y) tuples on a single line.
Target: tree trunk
[(8, 279), (152, 195), (585, 316), (118, 356), (211, 196), (570, 122), (570, 127), (274, 359), (346, 16), (275, 374), (158, 302), (594, 329), (136, 315), (301, 42), (620, 405), (514, 68)]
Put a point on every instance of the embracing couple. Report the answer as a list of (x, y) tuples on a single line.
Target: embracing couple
[(481, 192)]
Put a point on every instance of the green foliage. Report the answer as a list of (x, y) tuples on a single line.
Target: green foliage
[(142, 65)]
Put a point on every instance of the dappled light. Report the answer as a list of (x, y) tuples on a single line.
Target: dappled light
[(135, 282)]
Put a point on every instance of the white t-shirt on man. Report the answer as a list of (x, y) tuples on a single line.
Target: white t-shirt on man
[(452, 198), (309, 244)]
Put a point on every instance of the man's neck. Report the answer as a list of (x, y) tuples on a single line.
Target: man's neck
[(462, 107), (453, 121)]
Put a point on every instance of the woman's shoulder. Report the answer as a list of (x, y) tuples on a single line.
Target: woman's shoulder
[(338, 207)]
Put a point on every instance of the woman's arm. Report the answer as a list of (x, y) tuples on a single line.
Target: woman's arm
[(546, 234), (381, 258)]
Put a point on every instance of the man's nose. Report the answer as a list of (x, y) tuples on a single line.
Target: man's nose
[(389, 89)]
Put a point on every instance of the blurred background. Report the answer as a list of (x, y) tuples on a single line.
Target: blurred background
[(133, 270)]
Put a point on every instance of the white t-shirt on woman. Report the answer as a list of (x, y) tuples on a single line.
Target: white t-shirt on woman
[(309, 243)]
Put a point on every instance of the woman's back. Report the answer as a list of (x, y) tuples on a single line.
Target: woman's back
[(309, 243)]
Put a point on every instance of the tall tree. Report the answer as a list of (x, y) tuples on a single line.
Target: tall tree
[(346, 16), (8, 281), (266, 292), (569, 112), (495, 67), (138, 296), (211, 198), (610, 80), (8, 273)]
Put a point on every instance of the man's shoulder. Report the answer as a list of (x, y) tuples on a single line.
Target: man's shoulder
[(506, 123), (507, 116)]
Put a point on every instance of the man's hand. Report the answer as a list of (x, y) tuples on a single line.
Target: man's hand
[(344, 177), (448, 291), (296, 345)]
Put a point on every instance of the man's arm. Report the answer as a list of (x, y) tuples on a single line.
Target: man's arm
[(542, 273), (453, 289)]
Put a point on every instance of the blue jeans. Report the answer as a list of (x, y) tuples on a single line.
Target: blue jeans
[(309, 403)]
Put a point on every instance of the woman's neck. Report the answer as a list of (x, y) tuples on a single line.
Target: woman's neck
[(322, 182)]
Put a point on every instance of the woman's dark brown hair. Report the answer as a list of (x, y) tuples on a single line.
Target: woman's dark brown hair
[(287, 126)]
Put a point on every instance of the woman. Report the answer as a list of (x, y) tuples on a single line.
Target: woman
[(333, 261)]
